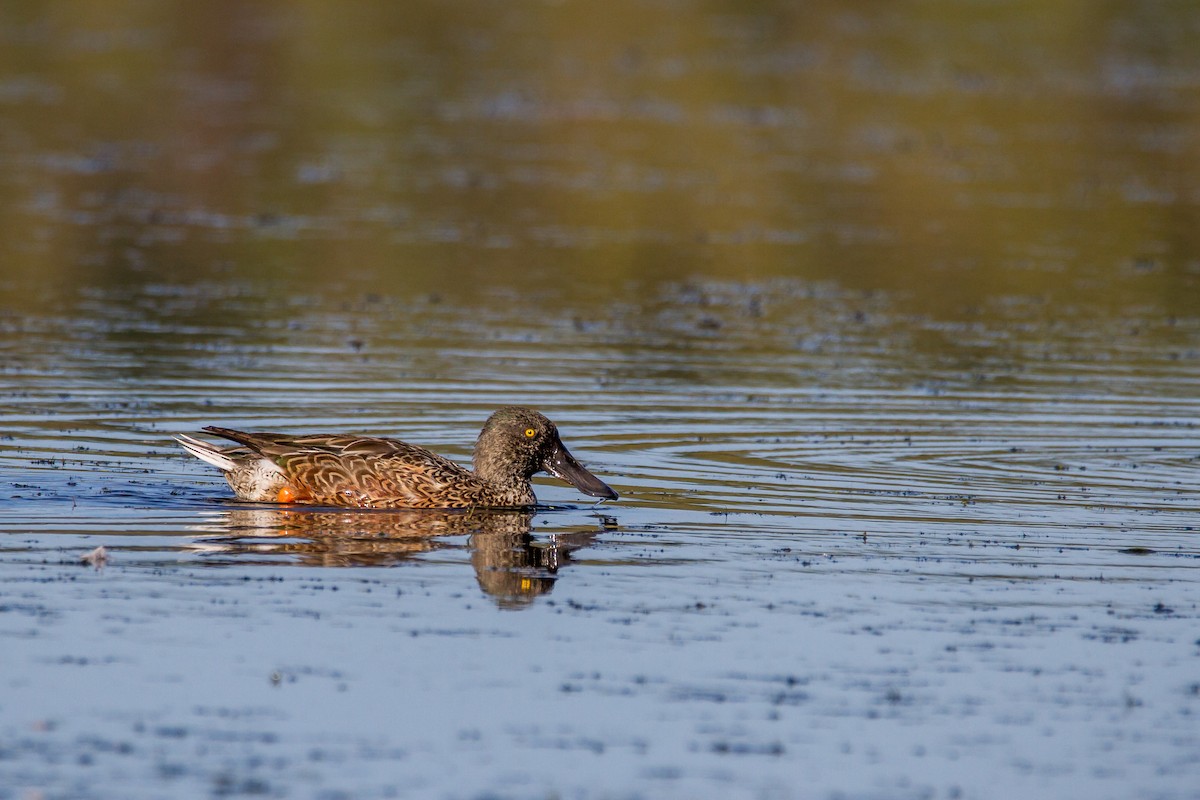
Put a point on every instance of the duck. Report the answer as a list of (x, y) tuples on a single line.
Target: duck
[(376, 472)]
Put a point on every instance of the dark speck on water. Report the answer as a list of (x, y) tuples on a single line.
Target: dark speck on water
[(882, 321)]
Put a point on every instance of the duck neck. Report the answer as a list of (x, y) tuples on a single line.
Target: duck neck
[(503, 476)]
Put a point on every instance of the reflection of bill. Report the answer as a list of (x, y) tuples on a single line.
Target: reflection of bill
[(510, 565), (514, 568)]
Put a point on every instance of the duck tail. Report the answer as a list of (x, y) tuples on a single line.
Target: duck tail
[(206, 452)]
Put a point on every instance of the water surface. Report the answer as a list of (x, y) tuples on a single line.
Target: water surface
[(885, 326)]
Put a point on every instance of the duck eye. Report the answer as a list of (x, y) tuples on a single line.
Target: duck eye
[(530, 433)]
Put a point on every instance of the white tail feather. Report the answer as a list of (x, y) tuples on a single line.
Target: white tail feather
[(206, 452)]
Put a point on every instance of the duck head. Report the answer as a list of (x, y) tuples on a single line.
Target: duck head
[(517, 442)]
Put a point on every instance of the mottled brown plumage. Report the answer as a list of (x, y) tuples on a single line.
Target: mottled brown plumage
[(368, 472)]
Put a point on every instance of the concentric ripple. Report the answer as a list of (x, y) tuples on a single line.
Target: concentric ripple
[(772, 399)]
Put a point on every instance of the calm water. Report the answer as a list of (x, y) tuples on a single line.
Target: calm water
[(885, 326)]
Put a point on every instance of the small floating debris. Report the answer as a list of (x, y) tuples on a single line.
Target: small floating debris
[(96, 558), (1137, 551)]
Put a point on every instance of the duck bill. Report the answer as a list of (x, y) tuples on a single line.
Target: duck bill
[(562, 465)]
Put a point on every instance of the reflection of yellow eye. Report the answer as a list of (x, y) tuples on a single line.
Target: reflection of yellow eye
[(530, 433)]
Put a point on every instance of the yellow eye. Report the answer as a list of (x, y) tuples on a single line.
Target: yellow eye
[(530, 433)]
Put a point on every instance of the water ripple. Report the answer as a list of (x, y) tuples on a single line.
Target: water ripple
[(707, 398)]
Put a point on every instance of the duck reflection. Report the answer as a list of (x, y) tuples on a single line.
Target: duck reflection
[(511, 566)]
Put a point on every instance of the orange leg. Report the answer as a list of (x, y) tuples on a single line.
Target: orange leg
[(290, 495)]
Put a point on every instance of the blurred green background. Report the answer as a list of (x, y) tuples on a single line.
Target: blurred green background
[(948, 153)]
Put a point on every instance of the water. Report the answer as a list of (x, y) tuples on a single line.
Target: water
[(891, 349)]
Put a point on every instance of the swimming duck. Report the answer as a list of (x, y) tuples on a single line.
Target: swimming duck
[(366, 472)]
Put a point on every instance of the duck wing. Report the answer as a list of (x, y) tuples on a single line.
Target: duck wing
[(368, 472)]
